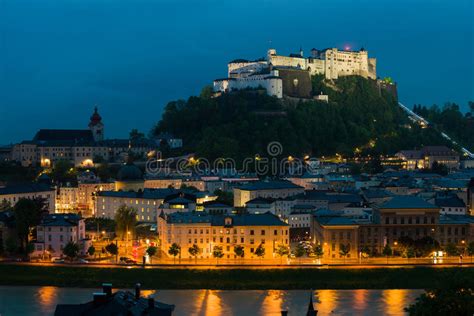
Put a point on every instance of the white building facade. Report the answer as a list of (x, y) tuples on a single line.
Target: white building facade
[(56, 230)]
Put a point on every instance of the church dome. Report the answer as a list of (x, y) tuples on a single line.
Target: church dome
[(129, 172)]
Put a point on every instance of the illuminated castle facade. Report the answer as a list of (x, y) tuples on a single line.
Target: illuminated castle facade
[(266, 72)]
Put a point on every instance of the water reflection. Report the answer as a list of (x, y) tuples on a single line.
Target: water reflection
[(273, 303), (360, 299), (17, 301), (208, 302), (47, 296), (394, 301)]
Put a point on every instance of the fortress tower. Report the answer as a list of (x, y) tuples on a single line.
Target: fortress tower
[(96, 126)]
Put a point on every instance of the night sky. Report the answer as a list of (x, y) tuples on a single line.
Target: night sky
[(58, 58)]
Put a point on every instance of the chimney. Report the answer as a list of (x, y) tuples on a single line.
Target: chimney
[(151, 302), (99, 298), (137, 291), (107, 289)]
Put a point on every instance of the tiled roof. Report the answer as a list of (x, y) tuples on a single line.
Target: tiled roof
[(211, 204), (303, 207), (179, 200), (407, 202), (124, 143), (66, 219), (450, 202), (25, 188), (450, 183), (376, 193), (266, 219), (327, 213), (332, 197), (261, 200), (456, 219), (151, 194), (269, 185), (64, 135), (336, 221)]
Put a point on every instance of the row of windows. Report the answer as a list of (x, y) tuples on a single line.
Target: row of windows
[(40, 229), (341, 235), (410, 220), (234, 231), (136, 202), (226, 240)]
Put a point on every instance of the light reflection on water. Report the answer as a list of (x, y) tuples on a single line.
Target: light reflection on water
[(16, 300)]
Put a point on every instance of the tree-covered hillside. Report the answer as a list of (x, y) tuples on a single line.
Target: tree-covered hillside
[(452, 121), (241, 124)]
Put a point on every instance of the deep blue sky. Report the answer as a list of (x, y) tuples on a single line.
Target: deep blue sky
[(60, 57)]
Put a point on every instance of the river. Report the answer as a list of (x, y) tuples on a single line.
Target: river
[(36, 300)]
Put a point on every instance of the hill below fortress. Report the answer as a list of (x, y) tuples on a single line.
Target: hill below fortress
[(359, 118)]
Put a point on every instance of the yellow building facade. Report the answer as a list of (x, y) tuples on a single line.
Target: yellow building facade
[(208, 231)]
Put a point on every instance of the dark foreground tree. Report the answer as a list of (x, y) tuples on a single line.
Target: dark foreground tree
[(453, 295), (27, 216), (151, 251), (112, 249), (71, 250), (174, 250)]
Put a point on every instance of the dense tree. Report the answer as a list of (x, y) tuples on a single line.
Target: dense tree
[(359, 115), (174, 250), (281, 251), (136, 136), (5, 205), (151, 251), (206, 92), (344, 250), (112, 248), (260, 251), (452, 295), (318, 250), (91, 250), (217, 252), (438, 168), (365, 251), (409, 252), (225, 197), (103, 171), (125, 219), (194, 251), (451, 249), (28, 214), (470, 249), (451, 120), (299, 251), (425, 246), (63, 171), (100, 224), (387, 251), (239, 251), (30, 247), (70, 250), (11, 245)]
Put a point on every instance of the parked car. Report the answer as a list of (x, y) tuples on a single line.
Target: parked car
[(82, 261), (57, 260), (126, 260)]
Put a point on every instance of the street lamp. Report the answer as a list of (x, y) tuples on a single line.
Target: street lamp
[(126, 243)]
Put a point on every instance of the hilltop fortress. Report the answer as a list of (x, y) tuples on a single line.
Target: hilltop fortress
[(290, 75)]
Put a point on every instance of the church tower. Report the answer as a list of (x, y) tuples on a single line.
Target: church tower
[(96, 126)]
